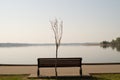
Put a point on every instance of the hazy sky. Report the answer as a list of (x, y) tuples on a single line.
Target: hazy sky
[(84, 20)]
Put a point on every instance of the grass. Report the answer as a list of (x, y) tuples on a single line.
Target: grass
[(94, 77), (107, 76), (24, 77), (72, 78), (13, 77)]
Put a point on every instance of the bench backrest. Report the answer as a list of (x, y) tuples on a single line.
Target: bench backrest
[(61, 62)]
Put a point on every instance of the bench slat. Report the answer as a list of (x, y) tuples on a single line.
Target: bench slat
[(61, 62)]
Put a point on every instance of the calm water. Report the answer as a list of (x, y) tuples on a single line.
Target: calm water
[(29, 54)]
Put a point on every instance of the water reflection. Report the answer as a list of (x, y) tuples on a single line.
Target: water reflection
[(18, 53), (114, 47)]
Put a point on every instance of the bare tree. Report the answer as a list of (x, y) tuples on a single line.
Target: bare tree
[(58, 31)]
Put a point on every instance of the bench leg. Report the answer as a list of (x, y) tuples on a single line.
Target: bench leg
[(81, 71), (38, 73)]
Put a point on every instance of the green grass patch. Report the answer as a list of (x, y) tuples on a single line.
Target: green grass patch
[(24, 77), (107, 76), (71, 78), (94, 77), (14, 77)]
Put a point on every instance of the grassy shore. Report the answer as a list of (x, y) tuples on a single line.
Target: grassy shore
[(14, 77), (94, 77), (107, 76)]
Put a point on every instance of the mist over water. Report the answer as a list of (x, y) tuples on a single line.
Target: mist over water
[(28, 53)]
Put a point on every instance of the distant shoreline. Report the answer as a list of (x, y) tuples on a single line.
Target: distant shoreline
[(45, 44)]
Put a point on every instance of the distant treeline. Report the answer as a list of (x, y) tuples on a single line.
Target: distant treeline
[(115, 43)]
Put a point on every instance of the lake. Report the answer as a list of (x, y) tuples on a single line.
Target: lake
[(29, 54)]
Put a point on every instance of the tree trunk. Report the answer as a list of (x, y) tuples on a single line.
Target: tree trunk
[(56, 62)]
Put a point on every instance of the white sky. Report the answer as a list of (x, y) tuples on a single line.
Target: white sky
[(84, 20)]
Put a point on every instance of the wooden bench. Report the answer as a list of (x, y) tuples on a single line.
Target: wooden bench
[(61, 62)]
